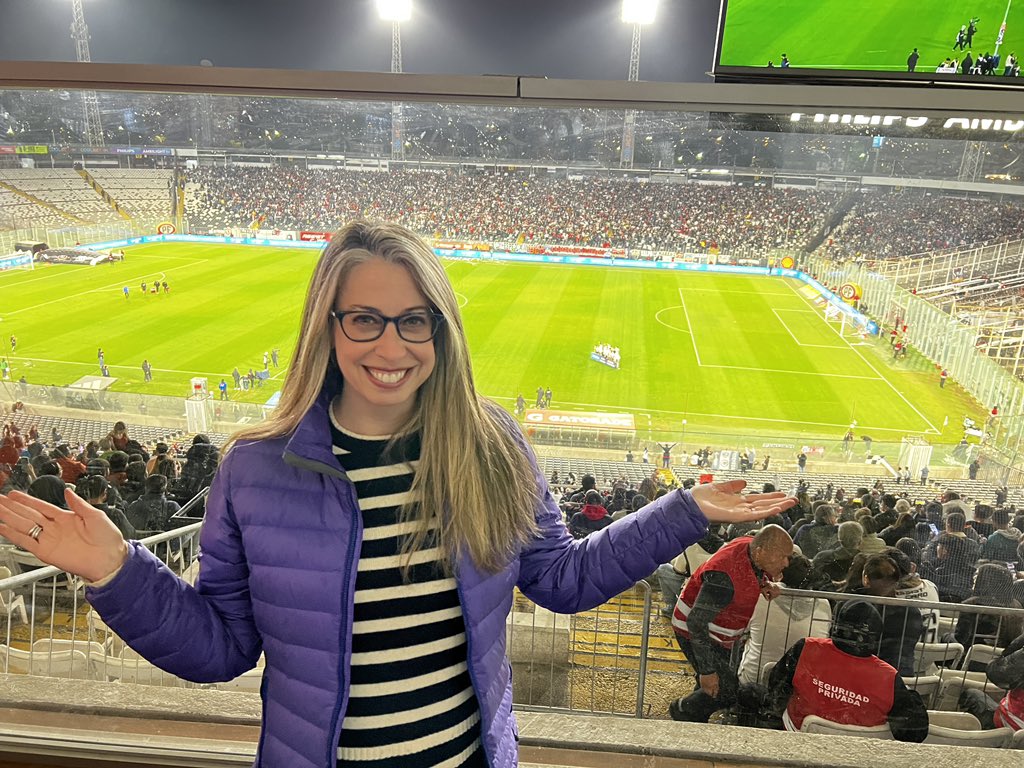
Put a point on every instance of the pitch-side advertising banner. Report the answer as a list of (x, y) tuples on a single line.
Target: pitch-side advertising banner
[(581, 420)]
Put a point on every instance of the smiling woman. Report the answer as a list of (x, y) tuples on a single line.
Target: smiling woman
[(368, 536)]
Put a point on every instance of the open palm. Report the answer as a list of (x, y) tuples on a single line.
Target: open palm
[(722, 502), (80, 540)]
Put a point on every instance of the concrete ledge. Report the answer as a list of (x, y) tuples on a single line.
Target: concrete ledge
[(546, 738)]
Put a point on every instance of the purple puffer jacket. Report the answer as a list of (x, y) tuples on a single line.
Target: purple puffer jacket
[(278, 564)]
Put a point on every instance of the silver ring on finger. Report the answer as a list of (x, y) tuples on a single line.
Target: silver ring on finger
[(36, 530)]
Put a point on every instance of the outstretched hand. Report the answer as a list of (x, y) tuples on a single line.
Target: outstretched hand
[(80, 540), (722, 502)]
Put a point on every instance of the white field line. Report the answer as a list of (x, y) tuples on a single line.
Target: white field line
[(689, 325), (931, 427), (690, 289), (795, 373), (131, 281), (790, 332), (63, 269), (642, 411)]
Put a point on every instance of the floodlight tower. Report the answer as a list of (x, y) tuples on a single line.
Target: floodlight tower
[(396, 11), (90, 106), (637, 13)]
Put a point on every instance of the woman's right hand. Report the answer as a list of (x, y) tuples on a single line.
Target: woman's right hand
[(80, 540)]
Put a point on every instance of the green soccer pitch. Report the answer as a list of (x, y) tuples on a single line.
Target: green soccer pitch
[(729, 354), (862, 34)]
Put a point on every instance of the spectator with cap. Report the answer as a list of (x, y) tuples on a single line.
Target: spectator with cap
[(982, 522), (840, 679), (1001, 545)]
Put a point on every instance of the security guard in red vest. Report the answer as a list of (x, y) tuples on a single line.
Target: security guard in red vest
[(714, 609), (840, 679)]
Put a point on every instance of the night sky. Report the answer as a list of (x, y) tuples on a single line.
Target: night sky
[(553, 38)]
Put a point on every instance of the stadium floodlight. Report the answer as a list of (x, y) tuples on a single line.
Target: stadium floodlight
[(639, 11), (394, 10)]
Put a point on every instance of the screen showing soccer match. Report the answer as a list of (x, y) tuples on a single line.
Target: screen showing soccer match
[(977, 39)]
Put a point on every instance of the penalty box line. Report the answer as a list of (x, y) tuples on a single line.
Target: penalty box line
[(793, 335), (931, 427)]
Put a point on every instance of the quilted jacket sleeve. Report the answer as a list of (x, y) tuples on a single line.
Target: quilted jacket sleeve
[(568, 576), (203, 634)]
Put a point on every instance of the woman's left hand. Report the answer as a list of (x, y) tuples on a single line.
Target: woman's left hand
[(722, 502)]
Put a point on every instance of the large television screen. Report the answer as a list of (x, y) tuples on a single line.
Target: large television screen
[(970, 43)]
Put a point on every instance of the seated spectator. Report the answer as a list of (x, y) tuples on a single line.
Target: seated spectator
[(198, 471), (840, 680), (855, 576), (118, 474), (819, 535), (96, 488), (19, 478), (992, 587), (118, 436), (871, 544), (902, 626), (592, 517), (70, 469), (49, 488), (1007, 672), (162, 453), (913, 587), (153, 509), (922, 534), (1001, 545), (982, 522), (777, 624), (952, 569), (970, 551), (635, 503), (904, 526), (835, 563), (135, 484)]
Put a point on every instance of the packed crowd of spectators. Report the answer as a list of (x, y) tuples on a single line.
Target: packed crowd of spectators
[(509, 208), (867, 544), (139, 491), (899, 224)]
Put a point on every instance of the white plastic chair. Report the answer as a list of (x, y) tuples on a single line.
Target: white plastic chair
[(982, 654), (66, 658), (996, 738), (1017, 742), (15, 606), (926, 656), (963, 721), (65, 581), (129, 667), (815, 724), (14, 660)]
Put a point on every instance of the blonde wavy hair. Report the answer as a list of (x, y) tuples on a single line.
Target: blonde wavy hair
[(474, 471)]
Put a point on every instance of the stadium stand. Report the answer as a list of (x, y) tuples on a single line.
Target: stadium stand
[(141, 193), (60, 190)]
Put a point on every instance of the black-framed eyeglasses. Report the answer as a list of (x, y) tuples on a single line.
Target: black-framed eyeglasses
[(416, 327)]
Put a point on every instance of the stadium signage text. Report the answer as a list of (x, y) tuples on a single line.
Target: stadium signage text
[(580, 419), (962, 123)]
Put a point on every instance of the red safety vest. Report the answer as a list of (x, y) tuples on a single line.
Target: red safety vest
[(732, 559), (1011, 711), (838, 687)]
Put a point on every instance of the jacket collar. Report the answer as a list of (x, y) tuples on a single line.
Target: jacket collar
[(309, 446)]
